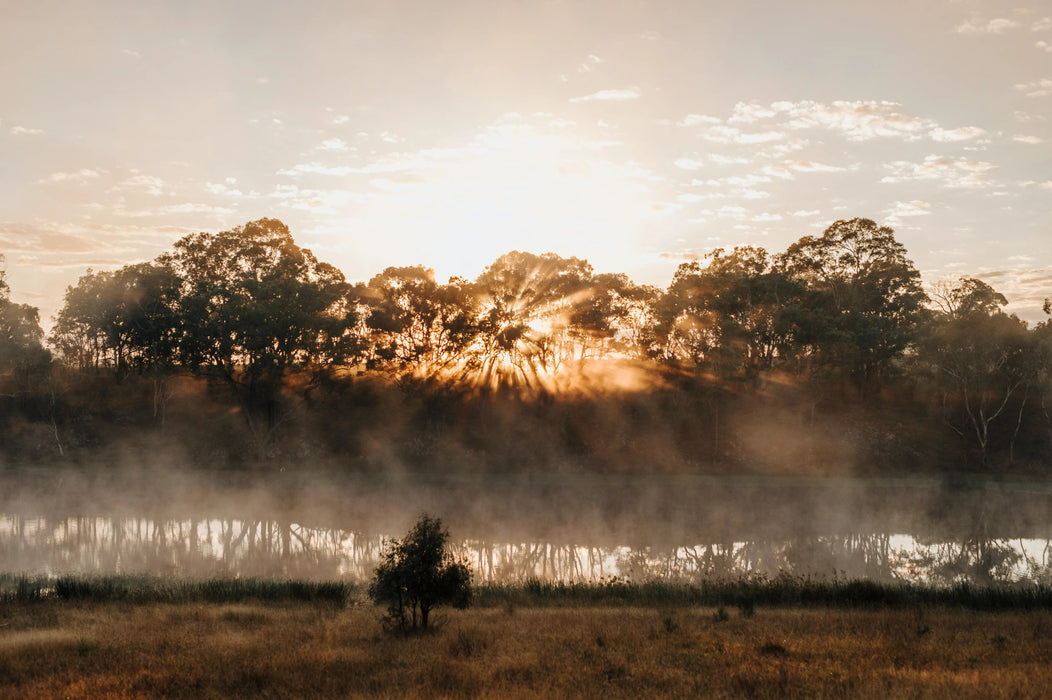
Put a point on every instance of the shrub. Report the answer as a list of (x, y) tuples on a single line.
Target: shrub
[(417, 574)]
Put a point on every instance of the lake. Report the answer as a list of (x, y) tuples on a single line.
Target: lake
[(514, 528)]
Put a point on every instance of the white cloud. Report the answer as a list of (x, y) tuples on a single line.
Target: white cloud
[(964, 133), (1027, 117), (118, 209), (78, 176), (1037, 88), (589, 64), (131, 53), (1033, 140), (610, 96), (785, 169), (1042, 25), (759, 137), (748, 113), (998, 25), (333, 144), (696, 119), (766, 218), (721, 134), (1047, 185), (224, 189), (316, 169), (146, 183), (1044, 46), (720, 159), (955, 174), (688, 163), (859, 120), (195, 208), (25, 131), (901, 210), (806, 213), (730, 212)]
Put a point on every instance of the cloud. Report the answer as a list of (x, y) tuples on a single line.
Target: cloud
[(146, 183), (316, 169), (620, 95), (729, 134), (1033, 140), (964, 133), (1044, 46), (77, 176), (901, 210), (25, 131), (806, 213), (182, 208), (998, 25), (696, 119), (749, 113), (688, 163), (225, 188), (316, 201), (1027, 117), (131, 53), (785, 169), (589, 64), (1037, 88), (27, 238), (334, 144), (954, 174), (858, 120), (720, 159)]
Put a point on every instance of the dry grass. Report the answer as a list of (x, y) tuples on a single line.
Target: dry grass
[(199, 650)]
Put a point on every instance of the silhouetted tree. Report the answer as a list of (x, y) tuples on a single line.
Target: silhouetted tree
[(418, 574), (416, 324), (863, 300), (23, 359), (255, 306), (724, 311), (525, 302), (982, 359)]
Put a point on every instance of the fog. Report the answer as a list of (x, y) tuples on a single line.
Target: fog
[(579, 527)]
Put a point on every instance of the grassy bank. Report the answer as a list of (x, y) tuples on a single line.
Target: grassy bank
[(743, 593), (62, 648)]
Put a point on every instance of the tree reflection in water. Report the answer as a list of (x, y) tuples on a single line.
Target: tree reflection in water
[(281, 548)]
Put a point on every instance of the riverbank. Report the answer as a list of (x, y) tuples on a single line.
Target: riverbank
[(64, 648)]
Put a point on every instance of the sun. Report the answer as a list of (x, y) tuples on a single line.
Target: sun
[(515, 187)]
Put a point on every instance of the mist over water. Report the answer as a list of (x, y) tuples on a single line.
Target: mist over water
[(515, 528)]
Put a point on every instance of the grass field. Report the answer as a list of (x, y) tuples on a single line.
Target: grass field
[(517, 643)]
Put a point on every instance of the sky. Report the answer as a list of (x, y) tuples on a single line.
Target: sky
[(636, 135)]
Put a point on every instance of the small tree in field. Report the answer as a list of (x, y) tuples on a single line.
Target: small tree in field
[(418, 573)]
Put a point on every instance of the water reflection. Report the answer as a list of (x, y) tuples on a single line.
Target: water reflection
[(283, 548), (514, 528)]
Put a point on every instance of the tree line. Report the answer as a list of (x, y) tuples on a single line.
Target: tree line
[(250, 310)]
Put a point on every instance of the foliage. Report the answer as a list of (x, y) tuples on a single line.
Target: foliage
[(417, 574), (982, 360), (833, 319), (255, 305), (863, 300)]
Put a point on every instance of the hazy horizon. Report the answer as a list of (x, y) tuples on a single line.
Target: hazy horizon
[(636, 135)]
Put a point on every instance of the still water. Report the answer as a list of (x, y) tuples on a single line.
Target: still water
[(544, 527)]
